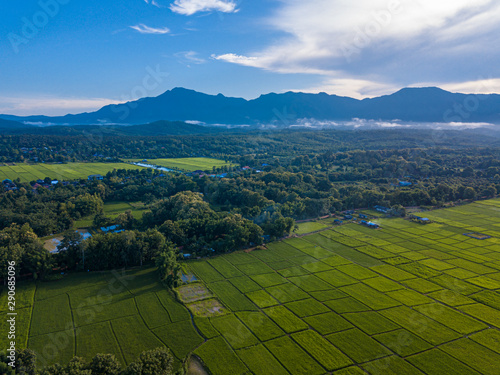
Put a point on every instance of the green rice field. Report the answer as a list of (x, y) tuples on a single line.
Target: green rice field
[(187, 164), (66, 172), (405, 299)]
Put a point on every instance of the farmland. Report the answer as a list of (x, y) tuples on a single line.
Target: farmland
[(187, 164), (405, 299), (69, 171)]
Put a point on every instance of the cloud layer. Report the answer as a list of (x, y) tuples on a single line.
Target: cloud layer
[(143, 29), (190, 7), (363, 47)]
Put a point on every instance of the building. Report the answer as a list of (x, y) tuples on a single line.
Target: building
[(382, 209), (405, 183), (369, 224), (95, 177), (420, 220)]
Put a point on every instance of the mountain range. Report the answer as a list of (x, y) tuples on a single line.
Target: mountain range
[(429, 105)]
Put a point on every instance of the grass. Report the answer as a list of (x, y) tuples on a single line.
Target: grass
[(220, 358), (431, 307), (262, 299), (187, 164), (180, 337), (392, 365), (490, 338), (474, 355), (61, 172), (437, 362), (176, 311), (371, 322), (321, 350), (403, 342), (451, 318), (358, 346), (225, 268), (309, 227), (285, 319), (234, 331), (131, 343), (231, 297), (245, 284), (307, 307), (97, 338), (296, 361), (370, 297), (260, 361), (422, 326), (151, 310), (205, 272), (263, 327), (47, 319)]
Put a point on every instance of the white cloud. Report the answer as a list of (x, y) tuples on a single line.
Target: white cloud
[(190, 7), (354, 88), (480, 86), (189, 57), (153, 2), (143, 29), (51, 106), (364, 47)]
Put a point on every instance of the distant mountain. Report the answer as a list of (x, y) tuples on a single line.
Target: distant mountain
[(410, 105), (157, 128)]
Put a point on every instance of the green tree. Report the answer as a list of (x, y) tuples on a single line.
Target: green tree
[(168, 267), (105, 364), (153, 362)]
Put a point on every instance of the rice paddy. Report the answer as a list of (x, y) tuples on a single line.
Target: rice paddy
[(406, 299), (187, 164), (61, 172)]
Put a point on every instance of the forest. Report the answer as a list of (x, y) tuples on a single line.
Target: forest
[(288, 176)]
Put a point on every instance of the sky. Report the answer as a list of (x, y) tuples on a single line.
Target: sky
[(72, 56)]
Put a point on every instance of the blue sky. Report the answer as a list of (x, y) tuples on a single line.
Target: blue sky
[(70, 56)]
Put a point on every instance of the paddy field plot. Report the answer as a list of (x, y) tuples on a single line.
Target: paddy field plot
[(61, 172), (406, 299), (187, 164)]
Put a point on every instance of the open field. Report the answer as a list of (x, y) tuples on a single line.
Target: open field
[(186, 164), (112, 210), (66, 172), (406, 299)]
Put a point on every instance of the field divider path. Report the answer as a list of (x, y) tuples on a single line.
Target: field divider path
[(146, 325), (73, 321), (117, 342)]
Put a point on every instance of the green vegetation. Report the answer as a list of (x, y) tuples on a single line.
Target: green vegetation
[(187, 164), (293, 309), (61, 172)]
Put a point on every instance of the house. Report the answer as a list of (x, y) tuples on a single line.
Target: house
[(420, 220), (348, 217), (382, 209), (363, 216), (95, 177), (369, 224), (186, 256), (405, 183), (337, 221), (111, 228), (54, 182)]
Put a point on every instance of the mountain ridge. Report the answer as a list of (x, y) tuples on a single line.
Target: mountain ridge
[(416, 104)]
